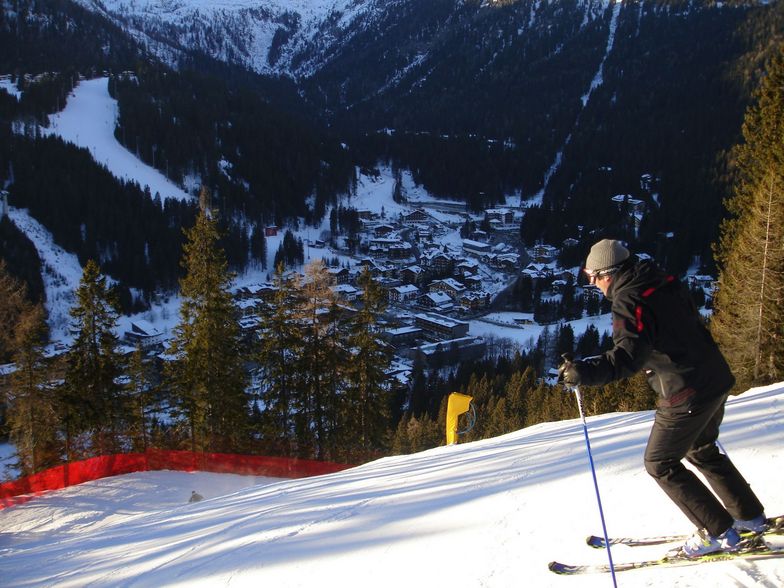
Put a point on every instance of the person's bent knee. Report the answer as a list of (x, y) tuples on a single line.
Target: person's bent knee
[(659, 469)]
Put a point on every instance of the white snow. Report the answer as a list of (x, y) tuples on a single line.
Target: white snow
[(88, 120), (487, 514), (61, 272), (9, 87)]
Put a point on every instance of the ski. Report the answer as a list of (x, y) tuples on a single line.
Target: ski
[(764, 552), (775, 527)]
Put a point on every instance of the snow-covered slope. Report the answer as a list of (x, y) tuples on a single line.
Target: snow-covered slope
[(267, 36), (491, 513)]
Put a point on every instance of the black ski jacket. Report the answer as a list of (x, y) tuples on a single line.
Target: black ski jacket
[(657, 328)]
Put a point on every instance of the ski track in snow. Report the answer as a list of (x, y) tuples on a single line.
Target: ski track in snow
[(597, 81), (88, 120), (487, 514), (61, 271)]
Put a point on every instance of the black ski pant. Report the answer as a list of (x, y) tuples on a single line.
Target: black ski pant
[(690, 431)]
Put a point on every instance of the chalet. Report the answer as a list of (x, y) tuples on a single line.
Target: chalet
[(404, 293), (346, 292), (366, 214), (436, 301), (264, 292), (392, 247), (382, 230), (473, 282), (467, 267), (424, 233), (442, 327), (449, 286), (411, 274), (475, 300), (506, 261), (503, 216), (247, 306), (416, 216), (543, 253), (438, 261), (143, 333), (401, 250), (341, 275)]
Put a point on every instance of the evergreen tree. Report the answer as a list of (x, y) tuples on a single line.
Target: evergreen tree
[(367, 395), (747, 321), (32, 413), (280, 348), (14, 303), (140, 389), (207, 376), (94, 399), (314, 399)]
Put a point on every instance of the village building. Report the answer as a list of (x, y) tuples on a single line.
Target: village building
[(503, 216), (416, 216), (449, 286), (341, 275), (451, 351), (346, 292), (441, 327), (411, 274), (476, 248), (543, 253), (144, 334), (438, 301), (475, 300), (402, 335), (404, 293), (439, 262)]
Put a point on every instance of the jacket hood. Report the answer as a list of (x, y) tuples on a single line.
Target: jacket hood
[(638, 275)]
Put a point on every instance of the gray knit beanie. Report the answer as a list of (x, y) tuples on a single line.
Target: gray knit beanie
[(606, 254)]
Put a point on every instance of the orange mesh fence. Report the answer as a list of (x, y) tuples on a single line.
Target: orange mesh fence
[(19, 491)]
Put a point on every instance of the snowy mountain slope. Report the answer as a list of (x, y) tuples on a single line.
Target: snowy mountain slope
[(88, 120), (490, 513), (264, 36), (299, 37)]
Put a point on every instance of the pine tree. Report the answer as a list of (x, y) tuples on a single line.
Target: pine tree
[(13, 294), (140, 389), (280, 348), (93, 397), (207, 376), (32, 414), (367, 395), (315, 398), (747, 321)]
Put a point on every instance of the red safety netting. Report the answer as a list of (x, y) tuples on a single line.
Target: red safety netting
[(23, 489)]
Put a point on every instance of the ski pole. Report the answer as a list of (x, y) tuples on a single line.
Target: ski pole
[(576, 390)]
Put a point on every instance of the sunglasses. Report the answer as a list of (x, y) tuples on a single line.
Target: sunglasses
[(594, 275)]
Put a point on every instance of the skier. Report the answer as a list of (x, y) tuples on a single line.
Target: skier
[(656, 327), (195, 497)]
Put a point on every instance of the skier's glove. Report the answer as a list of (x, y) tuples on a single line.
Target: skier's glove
[(569, 370)]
